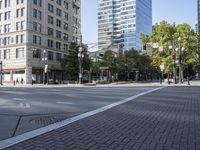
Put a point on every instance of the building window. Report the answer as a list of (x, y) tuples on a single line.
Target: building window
[(37, 14), (50, 43), (7, 15), (50, 31), (0, 4), (58, 34), (19, 38), (6, 40), (50, 19), (65, 26), (37, 2), (6, 28), (58, 12), (20, 53), (50, 55), (22, 12), (7, 54), (37, 27), (59, 2), (65, 36), (58, 45), (17, 26), (65, 47), (22, 25), (7, 3), (50, 8), (58, 57), (37, 53), (58, 23), (34, 39), (66, 15), (66, 5)]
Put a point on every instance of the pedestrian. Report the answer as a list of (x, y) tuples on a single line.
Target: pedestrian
[(22, 80), (17, 81), (14, 82)]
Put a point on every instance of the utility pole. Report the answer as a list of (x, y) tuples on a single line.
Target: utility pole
[(1, 69), (180, 63), (126, 66), (80, 55), (174, 62)]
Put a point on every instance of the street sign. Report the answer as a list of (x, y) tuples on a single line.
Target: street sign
[(155, 45), (80, 75), (162, 67), (46, 68), (80, 49)]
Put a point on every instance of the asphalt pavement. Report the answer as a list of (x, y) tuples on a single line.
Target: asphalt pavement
[(24, 109)]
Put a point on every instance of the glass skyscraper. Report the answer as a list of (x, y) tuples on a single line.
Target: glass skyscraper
[(120, 22)]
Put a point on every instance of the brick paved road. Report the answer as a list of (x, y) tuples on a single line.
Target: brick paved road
[(168, 119)]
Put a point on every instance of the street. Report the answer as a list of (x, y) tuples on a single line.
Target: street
[(159, 119), (24, 109)]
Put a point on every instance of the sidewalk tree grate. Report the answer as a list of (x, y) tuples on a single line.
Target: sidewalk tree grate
[(47, 120)]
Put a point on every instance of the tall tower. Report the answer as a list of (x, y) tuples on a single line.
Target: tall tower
[(35, 35), (121, 22)]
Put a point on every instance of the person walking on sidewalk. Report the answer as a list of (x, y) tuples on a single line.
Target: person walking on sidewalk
[(22, 80), (17, 81)]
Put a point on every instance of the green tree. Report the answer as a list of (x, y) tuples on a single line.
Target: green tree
[(166, 34), (70, 63)]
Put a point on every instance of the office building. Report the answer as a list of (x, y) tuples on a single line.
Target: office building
[(120, 23), (35, 35)]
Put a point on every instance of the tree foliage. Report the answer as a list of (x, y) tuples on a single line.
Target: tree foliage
[(70, 63), (166, 34)]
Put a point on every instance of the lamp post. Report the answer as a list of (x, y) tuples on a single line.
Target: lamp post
[(80, 56), (180, 59), (126, 66), (45, 69), (174, 62), (1, 69), (162, 67)]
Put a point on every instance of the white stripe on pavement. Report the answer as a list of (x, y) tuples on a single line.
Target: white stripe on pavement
[(19, 99), (26, 136), (65, 103)]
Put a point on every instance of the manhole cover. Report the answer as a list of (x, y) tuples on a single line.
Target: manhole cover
[(46, 120)]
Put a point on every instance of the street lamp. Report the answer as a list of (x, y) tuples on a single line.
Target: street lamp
[(45, 65), (174, 62), (1, 69), (180, 59), (162, 67), (126, 66), (80, 56)]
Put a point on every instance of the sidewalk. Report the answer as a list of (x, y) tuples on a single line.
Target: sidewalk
[(116, 84), (168, 119)]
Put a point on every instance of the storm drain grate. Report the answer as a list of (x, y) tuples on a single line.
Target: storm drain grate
[(46, 120)]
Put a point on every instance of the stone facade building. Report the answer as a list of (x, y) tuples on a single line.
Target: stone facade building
[(35, 35)]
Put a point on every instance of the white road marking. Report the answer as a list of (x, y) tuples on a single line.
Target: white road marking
[(65, 103), (20, 105), (19, 99), (24, 105), (26, 136)]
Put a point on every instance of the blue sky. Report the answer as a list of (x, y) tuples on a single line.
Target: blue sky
[(178, 11)]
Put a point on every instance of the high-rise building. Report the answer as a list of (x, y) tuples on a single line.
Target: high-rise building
[(35, 35), (120, 22)]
